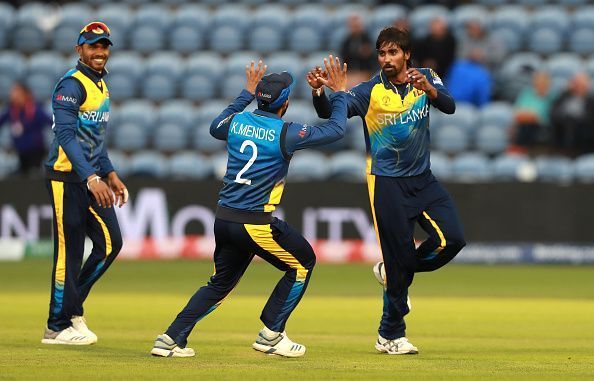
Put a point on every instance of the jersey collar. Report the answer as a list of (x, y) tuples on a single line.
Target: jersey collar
[(94, 75), (266, 113)]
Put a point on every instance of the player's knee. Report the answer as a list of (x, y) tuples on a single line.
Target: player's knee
[(456, 243), (116, 243)]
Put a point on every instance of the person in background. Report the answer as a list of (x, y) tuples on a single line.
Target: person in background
[(531, 114), (475, 36), (469, 81), (27, 121), (572, 117), (357, 51), (438, 49)]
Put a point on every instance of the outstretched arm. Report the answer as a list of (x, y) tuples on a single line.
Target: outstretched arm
[(220, 125)]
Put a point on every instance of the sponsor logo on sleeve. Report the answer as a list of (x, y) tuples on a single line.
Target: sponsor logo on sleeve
[(303, 131), (63, 98)]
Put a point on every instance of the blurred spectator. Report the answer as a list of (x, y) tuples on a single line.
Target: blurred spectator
[(469, 81), (531, 114), (475, 36), (572, 117), (27, 120), (358, 52), (437, 50)]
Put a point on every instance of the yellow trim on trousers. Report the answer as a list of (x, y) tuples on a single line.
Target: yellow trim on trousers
[(105, 232), (442, 243), (262, 235), (58, 194)]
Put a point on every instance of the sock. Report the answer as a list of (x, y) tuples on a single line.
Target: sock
[(269, 334)]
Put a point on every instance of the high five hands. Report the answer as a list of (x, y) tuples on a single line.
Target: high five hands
[(334, 77), (253, 75)]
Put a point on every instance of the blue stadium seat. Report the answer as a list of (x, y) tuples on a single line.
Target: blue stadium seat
[(584, 168), (581, 40), (589, 66), (130, 136), (498, 114), (169, 64), (75, 15), (48, 63), (125, 72), (441, 166), (545, 41), (149, 164), (117, 16), (179, 112), (451, 139), (218, 162), (140, 112), (554, 169), (5, 139), (147, 38), (12, 64), (202, 76), (510, 16), (465, 117), (189, 165), (266, 39), (491, 139), (191, 15), (301, 112), (516, 73), (120, 162), (564, 65), (235, 15), (583, 18), (234, 78), (339, 18), (64, 37), (9, 163), (202, 140), (471, 167), (308, 15), (28, 38), (226, 38), (306, 39), (421, 17), (287, 61), (185, 39), (384, 15), (468, 12), (511, 39), (532, 3), (170, 137), (41, 85), (7, 15), (348, 166), (552, 17), (33, 13), (493, 3), (509, 167), (308, 165)]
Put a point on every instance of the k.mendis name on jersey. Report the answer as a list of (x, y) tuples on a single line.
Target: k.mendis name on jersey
[(253, 132)]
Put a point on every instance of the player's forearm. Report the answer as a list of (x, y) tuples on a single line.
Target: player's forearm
[(444, 102), (238, 105), (322, 105), (335, 128)]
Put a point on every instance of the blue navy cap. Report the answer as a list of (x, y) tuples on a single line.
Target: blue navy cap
[(94, 32), (273, 90)]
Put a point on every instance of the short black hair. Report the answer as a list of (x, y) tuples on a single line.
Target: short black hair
[(400, 37)]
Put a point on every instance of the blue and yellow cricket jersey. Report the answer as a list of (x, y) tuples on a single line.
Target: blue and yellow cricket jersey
[(80, 104), (260, 146), (396, 122)]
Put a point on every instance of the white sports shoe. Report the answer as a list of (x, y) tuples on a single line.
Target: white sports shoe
[(399, 346), (380, 274), (281, 345), (166, 347), (68, 336), (80, 324)]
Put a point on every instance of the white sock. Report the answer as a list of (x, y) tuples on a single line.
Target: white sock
[(269, 334)]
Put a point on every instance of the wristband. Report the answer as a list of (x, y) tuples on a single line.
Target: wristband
[(317, 92), (96, 179)]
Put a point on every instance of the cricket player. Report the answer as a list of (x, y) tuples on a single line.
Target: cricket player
[(260, 146), (83, 186), (394, 106)]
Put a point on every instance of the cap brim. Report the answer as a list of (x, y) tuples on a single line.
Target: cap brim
[(96, 39)]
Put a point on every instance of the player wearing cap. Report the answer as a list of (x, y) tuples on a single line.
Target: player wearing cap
[(394, 106), (81, 182), (260, 145)]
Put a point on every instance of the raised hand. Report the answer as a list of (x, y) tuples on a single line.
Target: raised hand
[(337, 74), (253, 75), (313, 77), (418, 80)]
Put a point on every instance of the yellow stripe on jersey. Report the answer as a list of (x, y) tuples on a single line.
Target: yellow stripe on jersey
[(62, 162), (58, 195), (275, 196), (105, 232), (262, 236), (442, 243), (95, 96)]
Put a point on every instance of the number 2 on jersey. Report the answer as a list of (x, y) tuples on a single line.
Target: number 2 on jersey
[(247, 166)]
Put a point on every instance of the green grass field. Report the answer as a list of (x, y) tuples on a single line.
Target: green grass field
[(469, 322)]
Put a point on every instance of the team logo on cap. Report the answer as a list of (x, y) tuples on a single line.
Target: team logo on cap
[(98, 31)]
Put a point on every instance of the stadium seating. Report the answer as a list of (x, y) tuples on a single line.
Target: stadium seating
[(545, 41), (421, 17), (491, 139), (348, 166), (9, 163), (149, 164), (554, 169), (581, 41), (451, 139), (584, 168), (189, 165), (441, 166), (471, 167), (308, 165), (508, 167)]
